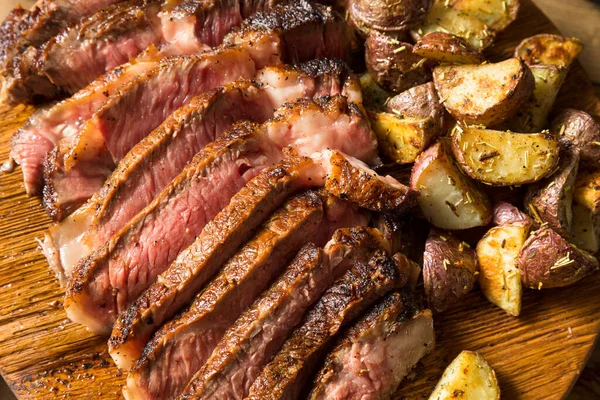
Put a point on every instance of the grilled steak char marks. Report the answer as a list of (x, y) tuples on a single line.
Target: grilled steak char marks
[(46, 127), (24, 29), (173, 83), (286, 375), (180, 347), (261, 330), (159, 157), (377, 352)]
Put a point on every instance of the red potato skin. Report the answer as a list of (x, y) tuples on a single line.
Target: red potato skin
[(395, 71), (505, 213), (582, 130), (388, 15), (446, 47), (549, 197), (447, 281), (421, 101), (539, 264)]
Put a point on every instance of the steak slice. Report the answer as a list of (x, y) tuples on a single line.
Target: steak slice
[(44, 129), (159, 157), (108, 280), (23, 29), (373, 357), (180, 348), (287, 374), (260, 331)]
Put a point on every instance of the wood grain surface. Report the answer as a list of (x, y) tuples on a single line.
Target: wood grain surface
[(43, 355)]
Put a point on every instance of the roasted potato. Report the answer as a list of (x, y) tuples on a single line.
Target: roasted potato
[(402, 139), (443, 17), (392, 64), (587, 190), (485, 94), (468, 377), (549, 49), (533, 115), (497, 254), (449, 269), (445, 47), (448, 198), (497, 14), (586, 229), (374, 97), (551, 199), (420, 102), (387, 15), (582, 130), (504, 158), (505, 213), (547, 260)]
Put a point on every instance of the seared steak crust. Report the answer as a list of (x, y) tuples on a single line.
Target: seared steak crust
[(285, 376), (262, 329), (180, 347), (377, 352)]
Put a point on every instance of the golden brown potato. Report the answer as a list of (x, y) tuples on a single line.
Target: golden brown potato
[(402, 139), (445, 47), (392, 63), (551, 199), (387, 15), (420, 102), (443, 17), (449, 269), (547, 260), (549, 49), (497, 14), (504, 158), (485, 94), (505, 213), (374, 97), (497, 254), (468, 377), (587, 190), (586, 229), (448, 198), (583, 131), (533, 115)]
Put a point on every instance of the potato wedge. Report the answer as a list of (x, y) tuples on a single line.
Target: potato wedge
[(504, 158), (549, 49), (533, 115), (484, 94), (551, 200), (445, 47), (497, 254), (505, 213), (583, 131), (497, 14), (587, 190), (586, 229), (374, 96), (449, 269), (387, 15), (444, 18), (547, 260), (392, 63), (402, 139), (418, 102), (448, 198), (468, 377)]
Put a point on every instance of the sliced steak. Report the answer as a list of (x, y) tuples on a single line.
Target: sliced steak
[(287, 374), (24, 29), (47, 126), (180, 348), (260, 331), (161, 156), (373, 357), (106, 282)]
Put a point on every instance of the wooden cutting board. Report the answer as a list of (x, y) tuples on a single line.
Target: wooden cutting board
[(43, 355)]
